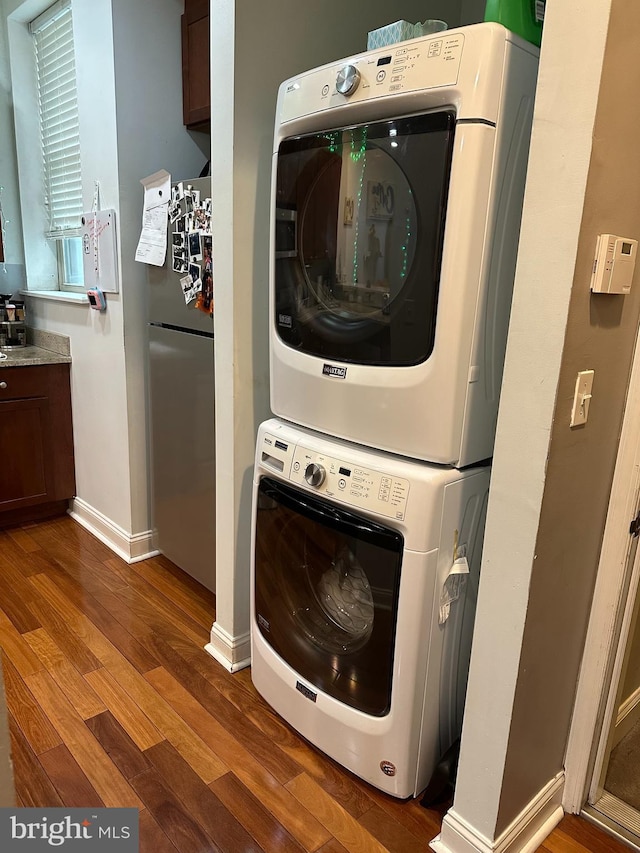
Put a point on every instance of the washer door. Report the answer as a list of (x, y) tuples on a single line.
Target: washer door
[(326, 594)]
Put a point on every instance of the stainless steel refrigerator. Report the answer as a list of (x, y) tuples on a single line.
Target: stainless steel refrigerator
[(182, 412)]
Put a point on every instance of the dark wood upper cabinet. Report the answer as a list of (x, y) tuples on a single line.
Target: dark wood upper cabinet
[(196, 88)]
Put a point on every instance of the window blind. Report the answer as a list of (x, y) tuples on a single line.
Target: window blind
[(59, 126)]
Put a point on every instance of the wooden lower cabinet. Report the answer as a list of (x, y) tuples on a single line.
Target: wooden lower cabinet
[(37, 475)]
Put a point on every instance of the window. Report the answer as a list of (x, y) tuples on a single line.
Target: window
[(60, 138)]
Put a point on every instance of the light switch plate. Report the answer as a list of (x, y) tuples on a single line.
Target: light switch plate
[(581, 398)]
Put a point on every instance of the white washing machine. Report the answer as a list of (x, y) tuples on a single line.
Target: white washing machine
[(398, 178), (354, 639)]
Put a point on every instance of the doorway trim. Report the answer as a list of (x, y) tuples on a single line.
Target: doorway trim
[(604, 645)]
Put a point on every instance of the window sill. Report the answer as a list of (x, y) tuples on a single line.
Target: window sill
[(58, 296)]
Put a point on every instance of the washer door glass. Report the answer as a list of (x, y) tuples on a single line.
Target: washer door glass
[(359, 226), (326, 594)]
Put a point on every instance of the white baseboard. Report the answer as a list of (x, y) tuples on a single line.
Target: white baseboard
[(233, 653), (131, 548), (524, 835)]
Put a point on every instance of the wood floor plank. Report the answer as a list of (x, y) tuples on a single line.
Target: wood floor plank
[(67, 547), (296, 820), (147, 602), (81, 625), (119, 632), (83, 698), (15, 592), (210, 813), (171, 815), (190, 745), (161, 715), (34, 724), (395, 837), (61, 632), (110, 784), (72, 785), (152, 838), (561, 843), (195, 588), (67, 530), (349, 832), (132, 719), (120, 748), (17, 649), (258, 821), (574, 834), (35, 788), (23, 539), (231, 715), (422, 822), (332, 846), (166, 582)]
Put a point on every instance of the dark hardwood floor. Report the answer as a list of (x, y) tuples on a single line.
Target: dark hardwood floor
[(113, 702)]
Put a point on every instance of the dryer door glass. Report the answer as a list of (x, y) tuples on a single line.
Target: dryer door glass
[(326, 594), (359, 225)]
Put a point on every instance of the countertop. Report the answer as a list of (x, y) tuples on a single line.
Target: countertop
[(30, 356), (43, 347)]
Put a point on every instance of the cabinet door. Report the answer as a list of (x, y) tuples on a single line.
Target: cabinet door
[(36, 440), (196, 91), (26, 461)]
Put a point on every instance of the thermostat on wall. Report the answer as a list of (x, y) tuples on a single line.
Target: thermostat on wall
[(614, 264)]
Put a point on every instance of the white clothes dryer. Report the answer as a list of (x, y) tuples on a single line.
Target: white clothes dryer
[(355, 555), (397, 185)]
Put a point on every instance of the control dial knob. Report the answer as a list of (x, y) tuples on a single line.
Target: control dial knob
[(348, 80), (314, 474)]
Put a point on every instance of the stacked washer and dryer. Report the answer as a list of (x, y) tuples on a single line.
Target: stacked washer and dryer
[(398, 178)]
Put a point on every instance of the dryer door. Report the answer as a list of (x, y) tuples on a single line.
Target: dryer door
[(359, 224), (326, 594)]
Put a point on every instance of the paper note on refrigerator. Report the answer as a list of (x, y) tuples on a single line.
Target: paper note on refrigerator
[(152, 246)]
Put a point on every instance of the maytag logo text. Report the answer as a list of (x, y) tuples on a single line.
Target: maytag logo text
[(332, 370)]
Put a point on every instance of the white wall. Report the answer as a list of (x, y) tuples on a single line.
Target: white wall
[(98, 370), (128, 65), (561, 148)]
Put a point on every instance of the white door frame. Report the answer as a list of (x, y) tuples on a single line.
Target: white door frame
[(615, 590)]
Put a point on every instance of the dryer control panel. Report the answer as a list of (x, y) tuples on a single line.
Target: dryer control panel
[(339, 479), (424, 63)]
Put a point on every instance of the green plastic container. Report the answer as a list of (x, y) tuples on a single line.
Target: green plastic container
[(523, 17)]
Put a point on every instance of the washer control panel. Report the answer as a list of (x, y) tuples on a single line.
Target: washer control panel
[(335, 478)]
